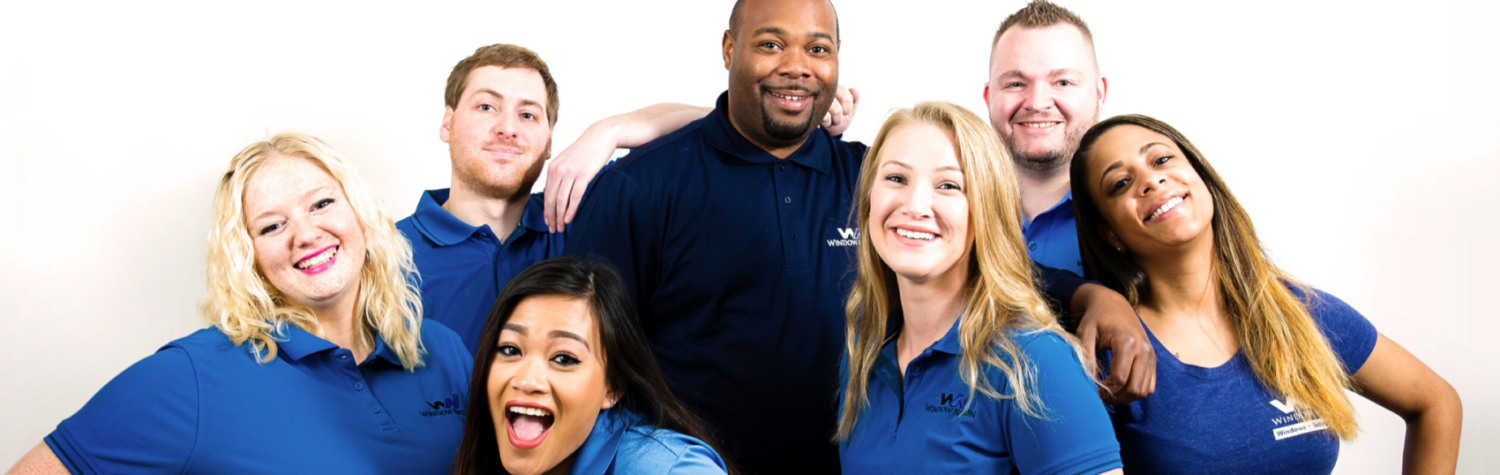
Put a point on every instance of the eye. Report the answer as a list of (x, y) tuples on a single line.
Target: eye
[(948, 185), (898, 179), (1118, 185), (269, 228), (1162, 160), (528, 116), (508, 351), (770, 45), (1066, 82), (323, 203), (819, 49), (565, 359), (486, 107)]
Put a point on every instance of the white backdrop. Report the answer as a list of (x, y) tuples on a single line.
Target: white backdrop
[(1362, 136)]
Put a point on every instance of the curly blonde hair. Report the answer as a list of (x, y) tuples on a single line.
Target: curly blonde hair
[(246, 307)]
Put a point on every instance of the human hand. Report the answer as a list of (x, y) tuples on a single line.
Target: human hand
[(570, 172), (1109, 323), (841, 113)]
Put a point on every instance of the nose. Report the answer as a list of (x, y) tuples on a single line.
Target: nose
[(305, 235), (918, 202), (794, 65), (1040, 98), (531, 377), (506, 124), (1152, 183)]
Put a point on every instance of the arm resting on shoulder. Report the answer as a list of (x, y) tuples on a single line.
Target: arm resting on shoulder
[(1104, 321), (39, 461), (1434, 415)]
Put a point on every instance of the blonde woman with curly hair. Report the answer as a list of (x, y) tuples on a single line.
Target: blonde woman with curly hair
[(318, 360), (954, 363)]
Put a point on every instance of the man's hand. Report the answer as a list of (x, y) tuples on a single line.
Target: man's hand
[(841, 113), (1108, 323), (570, 173)]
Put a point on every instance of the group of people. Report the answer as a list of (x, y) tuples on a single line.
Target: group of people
[(746, 292)]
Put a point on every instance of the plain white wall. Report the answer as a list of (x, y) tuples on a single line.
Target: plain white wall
[(1362, 136)]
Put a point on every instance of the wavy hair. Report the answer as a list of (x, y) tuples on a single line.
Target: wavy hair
[(1284, 346), (247, 308), (1001, 293)]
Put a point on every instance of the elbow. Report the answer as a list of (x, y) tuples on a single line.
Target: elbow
[(1442, 404)]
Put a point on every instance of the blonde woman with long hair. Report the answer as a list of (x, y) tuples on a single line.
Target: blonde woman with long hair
[(954, 363), (1252, 366), (318, 360)]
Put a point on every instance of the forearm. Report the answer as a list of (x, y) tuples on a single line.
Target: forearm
[(639, 127), (1432, 436)]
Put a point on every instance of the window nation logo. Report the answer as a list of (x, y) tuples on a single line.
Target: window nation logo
[(847, 237), (951, 404), (443, 407), (1296, 424)]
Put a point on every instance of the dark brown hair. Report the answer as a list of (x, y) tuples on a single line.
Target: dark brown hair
[(629, 369), (505, 56)]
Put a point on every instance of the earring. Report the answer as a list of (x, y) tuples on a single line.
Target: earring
[(1121, 250)]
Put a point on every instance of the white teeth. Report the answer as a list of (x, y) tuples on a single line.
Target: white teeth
[(1172, 203), (318, 259), (530, 411), (789, 98), (915, 235), (1039, 125)]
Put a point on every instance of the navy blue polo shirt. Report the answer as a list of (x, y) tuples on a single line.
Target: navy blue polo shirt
[(202, 404), (464, 267), (739, 263), (927, 423), (1223, 420), (1052, 238)]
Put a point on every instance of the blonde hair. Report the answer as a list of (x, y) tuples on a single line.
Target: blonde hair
[(1000, 290), (246, 307), (1286, 350)]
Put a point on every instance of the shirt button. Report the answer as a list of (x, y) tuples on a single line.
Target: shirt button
[(1031, 245), (375, 409), (783, 167), (794, 235), (787, 200), (359, 386), (343, 357)]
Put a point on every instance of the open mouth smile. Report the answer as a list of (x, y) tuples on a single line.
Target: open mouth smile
[(318, 261), (792, 100), (527, 425), (1167, 207)]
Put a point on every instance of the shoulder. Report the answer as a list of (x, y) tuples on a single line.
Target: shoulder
[(210, 344), (1045, 347), (1351, 335), (683, 141), (648, 449), (442, 341)]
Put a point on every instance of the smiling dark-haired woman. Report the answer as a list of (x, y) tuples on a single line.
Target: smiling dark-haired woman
[(1252, 366), (564, 382)]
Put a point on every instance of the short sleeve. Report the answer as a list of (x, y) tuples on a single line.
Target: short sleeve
[(1351, 335), (698, 460), (615, 223), (1074, 436), (144, 421)]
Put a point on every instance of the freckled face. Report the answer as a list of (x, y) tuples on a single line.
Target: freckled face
[(547, 383), (919, 212), (308, 241), (1151, 198), (498, 137)]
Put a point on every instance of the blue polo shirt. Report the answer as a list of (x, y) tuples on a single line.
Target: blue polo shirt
[(623, 443), (918, 424), (739, 263), (202, 404), (1052, 238), (464, 267), (1223, 420)]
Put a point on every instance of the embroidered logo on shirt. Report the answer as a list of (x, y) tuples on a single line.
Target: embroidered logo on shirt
[(443, 407), (1295, 424), (847, 237), (951, 404)]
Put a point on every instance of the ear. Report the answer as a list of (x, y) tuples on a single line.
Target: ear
[(986, 94), (1103, 89), (444, 132), (610, 399), (547, 153), (1109, 237), (728, 47)]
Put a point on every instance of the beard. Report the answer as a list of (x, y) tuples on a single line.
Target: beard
[(498, 182), (782, 131), (1048, 160)]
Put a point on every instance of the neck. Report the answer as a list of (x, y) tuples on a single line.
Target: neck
[(1183, 283), (775, 148), (928, 308), (340, 326), (564, 466), (1041, 189), (476, 209)]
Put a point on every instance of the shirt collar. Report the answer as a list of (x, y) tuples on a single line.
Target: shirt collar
[(1065, 204), (815, 153), (949, 343), (296, 343), (598, 450), (440, 226)]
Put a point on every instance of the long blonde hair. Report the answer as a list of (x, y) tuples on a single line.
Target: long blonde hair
[(1000, 290), (246, 307), (1286, 350)]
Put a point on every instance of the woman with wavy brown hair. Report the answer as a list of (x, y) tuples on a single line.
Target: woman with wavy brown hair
[(1252, 366)]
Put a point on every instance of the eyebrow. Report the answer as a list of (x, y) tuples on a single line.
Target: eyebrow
[(1016, 73), (776, 30), (305, 196), (485, 90), (553, 334), (1115, 165)]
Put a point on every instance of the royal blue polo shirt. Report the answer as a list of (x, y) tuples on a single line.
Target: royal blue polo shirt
[(1052, 238), (919, 423), (739, 263), (202, 404), (1223, 420), (623, 443), (464, 267)]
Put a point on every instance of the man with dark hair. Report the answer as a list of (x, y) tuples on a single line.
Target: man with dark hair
[(1044, 91)]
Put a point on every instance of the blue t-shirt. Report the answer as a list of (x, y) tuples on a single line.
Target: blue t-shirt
[(201, 404), (1052, 238), (1223, 420), (464, 267), (918, 424), (621, 443), (739, 263)]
